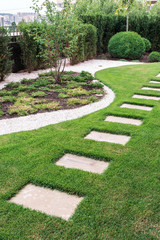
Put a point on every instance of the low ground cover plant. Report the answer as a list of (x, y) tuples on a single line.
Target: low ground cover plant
[(44, 94)]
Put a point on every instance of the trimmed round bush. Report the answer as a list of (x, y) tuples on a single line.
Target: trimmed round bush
[(154, 57), (126, 45), (147, 44)]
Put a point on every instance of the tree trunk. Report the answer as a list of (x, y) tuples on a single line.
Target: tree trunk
[(127, 22)]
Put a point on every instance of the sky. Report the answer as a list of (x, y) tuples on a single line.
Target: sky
[(14, 6)]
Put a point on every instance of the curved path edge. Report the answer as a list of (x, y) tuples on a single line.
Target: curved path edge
[(39, 120)]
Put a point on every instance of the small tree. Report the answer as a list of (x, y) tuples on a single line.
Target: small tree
[(5, 54), (60, 37)]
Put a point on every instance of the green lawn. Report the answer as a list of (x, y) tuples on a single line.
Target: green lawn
[(122, 203)]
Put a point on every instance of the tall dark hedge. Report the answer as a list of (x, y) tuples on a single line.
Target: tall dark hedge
[(87, 43), (108, 25), (5, 54)]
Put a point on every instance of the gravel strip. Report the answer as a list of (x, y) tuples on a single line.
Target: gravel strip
[(39, 120), (91, 66), (43, 119)]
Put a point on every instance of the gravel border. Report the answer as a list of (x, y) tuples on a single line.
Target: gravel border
[(39, 120)]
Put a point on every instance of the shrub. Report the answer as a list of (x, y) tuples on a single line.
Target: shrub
[(32, 45), (5, 54), (126, 45), (147, 44), (107, 25), (154, 57), (86, 44)]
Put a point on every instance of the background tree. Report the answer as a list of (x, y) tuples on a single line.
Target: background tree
[(60, 36), (5, 54)]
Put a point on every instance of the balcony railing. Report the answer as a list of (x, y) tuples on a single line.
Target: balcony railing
[(12, 31)]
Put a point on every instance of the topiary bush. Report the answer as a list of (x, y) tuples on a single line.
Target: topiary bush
[(147, 44), (154, 57), (126, 45)]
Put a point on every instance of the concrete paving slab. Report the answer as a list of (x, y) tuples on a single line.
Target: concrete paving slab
[(108, 137), (123, 120), (152, 81), (50, 202), (82, 163), (146, 97), (139, 107), (151, 89)]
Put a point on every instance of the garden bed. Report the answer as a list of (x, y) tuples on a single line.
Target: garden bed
[(44, 94)]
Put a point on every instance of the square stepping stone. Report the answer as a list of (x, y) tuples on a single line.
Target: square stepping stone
[(108, 137), (153, 81), (82, 163), (51, 202), (123, 120), (146, 97), (133, 106), (151, 88)]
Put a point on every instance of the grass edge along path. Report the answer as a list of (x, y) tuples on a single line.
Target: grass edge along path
[(122, 203)]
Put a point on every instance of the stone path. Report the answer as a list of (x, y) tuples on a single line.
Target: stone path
[(146, 97), (124, 120), (153, 81), (82, 163), (151, 89), (135, 106), (51, 202), (56, 203), (108, 137)]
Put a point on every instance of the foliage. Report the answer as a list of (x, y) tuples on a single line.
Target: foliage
[(86, 47), (95, 7), (126, 45), (155, 10), (32, 45), (147, 44), (5, 54), (60, 37), (154, 57), (108, 25)]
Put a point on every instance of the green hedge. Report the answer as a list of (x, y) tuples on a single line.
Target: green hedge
[(5, 54), (86, 47), (31, 47), (109, 25)]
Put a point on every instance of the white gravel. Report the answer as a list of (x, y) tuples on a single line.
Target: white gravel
[(36, 121)]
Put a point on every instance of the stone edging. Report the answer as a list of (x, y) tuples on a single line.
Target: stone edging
[(39, 120)]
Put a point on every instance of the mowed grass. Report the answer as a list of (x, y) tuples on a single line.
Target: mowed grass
[(122, 203)]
